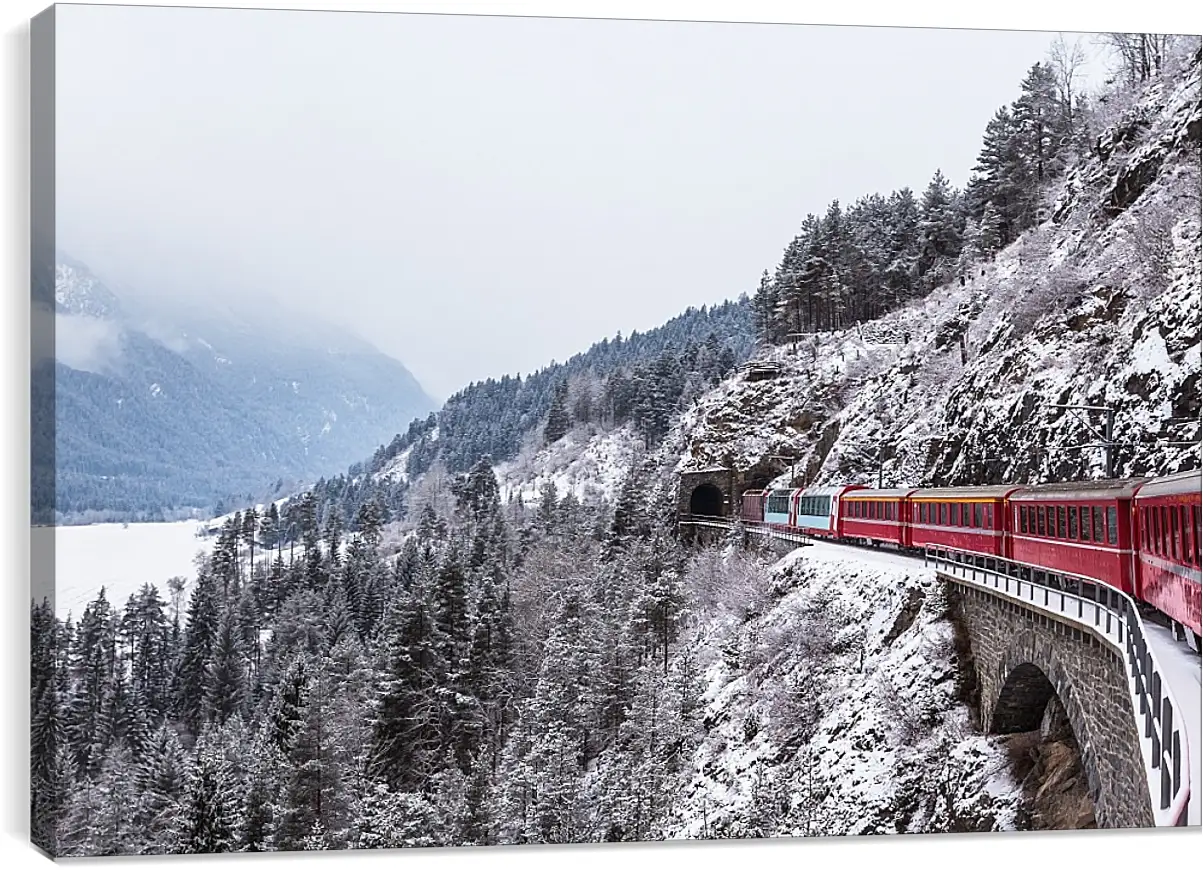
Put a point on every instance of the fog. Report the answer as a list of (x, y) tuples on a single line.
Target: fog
[(479, 196)]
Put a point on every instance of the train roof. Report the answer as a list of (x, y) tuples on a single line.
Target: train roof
[(831, 490), (1172, 484), (955, 493), (881, 493), (1080, 489)]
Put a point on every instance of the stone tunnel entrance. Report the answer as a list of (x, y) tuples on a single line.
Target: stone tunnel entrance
[(706, 501)]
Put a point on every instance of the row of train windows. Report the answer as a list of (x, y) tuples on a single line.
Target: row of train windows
[(1172, 531), (969, 516), (814, 506), (873, 510), (1072, 523), (777, 504)]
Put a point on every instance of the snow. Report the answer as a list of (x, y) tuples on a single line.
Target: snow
[(1181, 670), (591, 464), (395, 468), (122, 558), (890, 748)]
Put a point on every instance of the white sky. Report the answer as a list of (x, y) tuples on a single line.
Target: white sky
[(480, 195)]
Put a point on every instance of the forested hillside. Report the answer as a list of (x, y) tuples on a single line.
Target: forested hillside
[(643, 379), (160, 412)]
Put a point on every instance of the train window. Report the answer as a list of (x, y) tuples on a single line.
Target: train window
[(1176, 540), (943, 513), (988, 515), (1039, 520), (1085, 523), (1073, 523), (1112, 526), (1098, 525), (1164, 530)]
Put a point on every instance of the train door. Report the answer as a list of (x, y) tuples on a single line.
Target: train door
[(1007, 525)]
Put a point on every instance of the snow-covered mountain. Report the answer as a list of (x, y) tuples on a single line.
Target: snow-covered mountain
[(1097, 305), (160, 408)]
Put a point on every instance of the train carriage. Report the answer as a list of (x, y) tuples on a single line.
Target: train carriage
[(751, 505), (818, 510), (780, 507), (1081, 527), (876, 515), (1166, 514), (961, 518)]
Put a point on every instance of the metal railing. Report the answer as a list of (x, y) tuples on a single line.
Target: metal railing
[(752, 527), (1112, 616)]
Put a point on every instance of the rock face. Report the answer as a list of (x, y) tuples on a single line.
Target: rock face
[(1097, 306), (1048, 764)]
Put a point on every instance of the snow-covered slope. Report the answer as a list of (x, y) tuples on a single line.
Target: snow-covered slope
[(1098, 305), (590, 462), (836, 711)]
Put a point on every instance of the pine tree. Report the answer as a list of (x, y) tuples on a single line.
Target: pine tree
[(199, 639), (210, 809), (226, 690), (557, 415)]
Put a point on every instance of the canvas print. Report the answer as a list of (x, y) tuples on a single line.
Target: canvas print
[(457, 430)]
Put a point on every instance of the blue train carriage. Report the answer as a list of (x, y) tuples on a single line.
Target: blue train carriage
[(818, 510), (780, 506)]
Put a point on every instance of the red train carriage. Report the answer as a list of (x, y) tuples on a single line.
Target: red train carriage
[(876, 515), (1080, 528), (960, 518), (751, 505), (1167, 534)]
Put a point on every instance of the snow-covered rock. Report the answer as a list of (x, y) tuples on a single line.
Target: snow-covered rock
[(837, 711)]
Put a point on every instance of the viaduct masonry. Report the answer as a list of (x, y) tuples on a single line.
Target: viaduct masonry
[(1025, 661)]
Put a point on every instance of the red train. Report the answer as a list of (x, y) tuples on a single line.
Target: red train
[(1140, 535)]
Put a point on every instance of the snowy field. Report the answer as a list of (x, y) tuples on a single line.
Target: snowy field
[(121, 559)]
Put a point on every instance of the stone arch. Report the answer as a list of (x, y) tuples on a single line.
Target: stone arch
[(1021, 703), (1034, 685), (706, 500)]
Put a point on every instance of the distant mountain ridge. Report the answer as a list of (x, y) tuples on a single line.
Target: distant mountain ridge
[(162, 410)]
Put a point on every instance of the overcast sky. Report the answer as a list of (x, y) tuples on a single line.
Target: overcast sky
[(479, 196)]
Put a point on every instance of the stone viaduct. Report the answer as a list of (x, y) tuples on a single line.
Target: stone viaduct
[(1030, 665)]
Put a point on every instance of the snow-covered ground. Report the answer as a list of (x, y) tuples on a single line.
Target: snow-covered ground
[(835, 711), (122, 558), (589, 464)]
